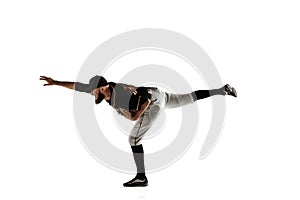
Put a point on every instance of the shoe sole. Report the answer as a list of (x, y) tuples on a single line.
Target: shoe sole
[(140, 185)]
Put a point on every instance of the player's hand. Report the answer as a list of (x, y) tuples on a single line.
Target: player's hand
[(49, 80)]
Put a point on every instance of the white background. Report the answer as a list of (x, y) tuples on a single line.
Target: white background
[(255, 46)]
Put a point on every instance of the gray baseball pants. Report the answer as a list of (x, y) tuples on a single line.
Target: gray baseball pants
[(159, 101)]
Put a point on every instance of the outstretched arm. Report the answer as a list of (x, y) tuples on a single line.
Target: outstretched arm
[(51, 81), (81, 87)]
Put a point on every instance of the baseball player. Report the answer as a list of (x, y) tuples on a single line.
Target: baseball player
[(140, 104)]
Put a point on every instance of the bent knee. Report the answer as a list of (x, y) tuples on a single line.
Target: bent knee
[(134, 141)]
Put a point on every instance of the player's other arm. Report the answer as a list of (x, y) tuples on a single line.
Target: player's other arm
[(137, 115), (141, 111)]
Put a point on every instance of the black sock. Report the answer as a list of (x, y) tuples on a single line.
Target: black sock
[(138, 155), (201, 94)]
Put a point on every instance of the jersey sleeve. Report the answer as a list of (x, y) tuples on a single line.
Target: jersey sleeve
[(82, 87)]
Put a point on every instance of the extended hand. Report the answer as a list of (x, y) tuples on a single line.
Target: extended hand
[(49, 80)]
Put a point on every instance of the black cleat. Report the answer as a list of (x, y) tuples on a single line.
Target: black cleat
[(230, 90), (136, 182)]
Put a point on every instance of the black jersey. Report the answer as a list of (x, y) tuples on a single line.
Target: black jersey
[(128, 97)]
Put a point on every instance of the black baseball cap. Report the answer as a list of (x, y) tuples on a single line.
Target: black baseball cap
[(96, 82)]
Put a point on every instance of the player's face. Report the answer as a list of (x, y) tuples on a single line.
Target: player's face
[(101, 93), (99, 98), (97, 91)]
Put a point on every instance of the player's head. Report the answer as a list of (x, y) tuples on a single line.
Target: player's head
[(97, 82)]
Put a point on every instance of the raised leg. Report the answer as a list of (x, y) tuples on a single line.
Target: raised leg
[(202, 94)]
